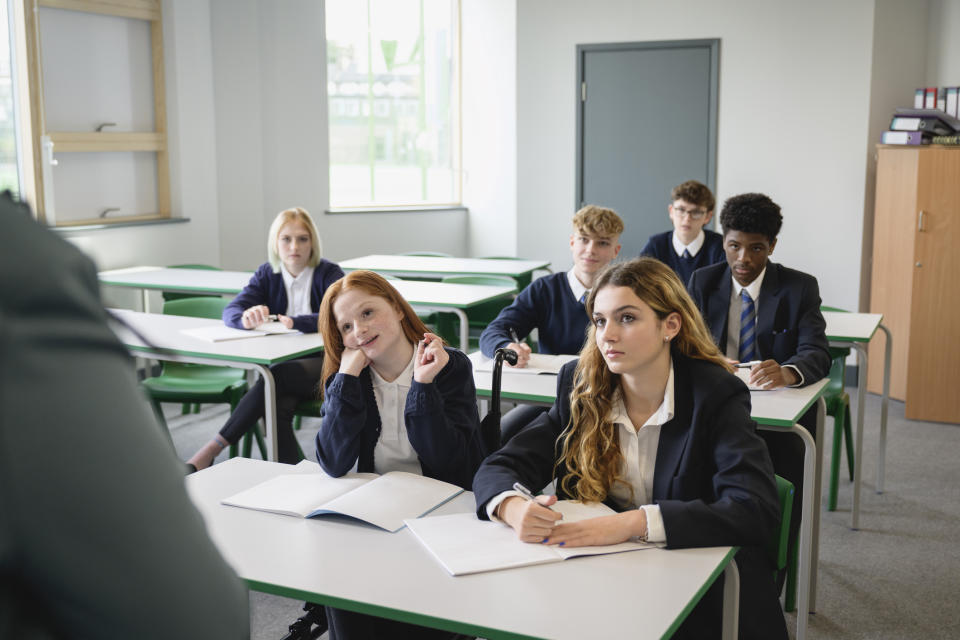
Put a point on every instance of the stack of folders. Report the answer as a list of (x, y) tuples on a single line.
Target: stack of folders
[(922, 126)]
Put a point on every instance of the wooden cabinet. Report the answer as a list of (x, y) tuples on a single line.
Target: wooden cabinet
[(916, 278)]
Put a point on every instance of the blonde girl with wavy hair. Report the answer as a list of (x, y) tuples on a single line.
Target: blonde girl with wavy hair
[(652, 422)]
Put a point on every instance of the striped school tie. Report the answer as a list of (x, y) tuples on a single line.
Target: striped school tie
[(748, 325), (583, 298), (686, 254)]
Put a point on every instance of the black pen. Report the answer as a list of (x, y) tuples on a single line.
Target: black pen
[(513, 335), (747, 365)]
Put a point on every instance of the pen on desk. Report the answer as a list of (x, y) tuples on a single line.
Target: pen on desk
[(746, 365), (526, 493), (513, 336)]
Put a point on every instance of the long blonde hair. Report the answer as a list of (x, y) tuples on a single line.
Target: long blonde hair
[(373, 284), (590, 446)]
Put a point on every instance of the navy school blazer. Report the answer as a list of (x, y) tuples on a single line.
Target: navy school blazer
[(266, 287), (790, 327), (441, 419)]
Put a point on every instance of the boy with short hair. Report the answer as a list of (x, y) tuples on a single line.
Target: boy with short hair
[(554, 304), (689, 246), (765, 313)]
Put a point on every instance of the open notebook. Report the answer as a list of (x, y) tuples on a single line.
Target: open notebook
[(219, 333), (539, 363), (384, 501), (465, 544)]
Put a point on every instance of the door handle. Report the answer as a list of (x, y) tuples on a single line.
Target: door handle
[(920, 221)]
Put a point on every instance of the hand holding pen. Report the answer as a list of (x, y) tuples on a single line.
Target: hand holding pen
[(530, 516), (522, 348)]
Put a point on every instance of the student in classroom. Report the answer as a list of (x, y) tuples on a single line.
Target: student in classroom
[(766, 316), (690, 245), (650, 421), (395, 399), (290, 287), (554, 304)]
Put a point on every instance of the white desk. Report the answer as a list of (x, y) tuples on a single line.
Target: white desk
[(773, 410), (358, 567), (438, 267), (424, 296), (256, 354), (855, 331)]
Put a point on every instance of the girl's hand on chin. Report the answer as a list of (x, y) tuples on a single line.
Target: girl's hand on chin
[(353, 361)]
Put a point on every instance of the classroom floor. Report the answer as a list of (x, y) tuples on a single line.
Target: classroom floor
[(895, 578)]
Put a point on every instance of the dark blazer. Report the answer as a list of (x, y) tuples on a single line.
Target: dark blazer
[(660, 246), (266, 287), (441, 419), (713, 480), (790, 327)]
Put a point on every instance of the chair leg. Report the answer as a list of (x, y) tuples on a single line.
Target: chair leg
[(158, 411), (261, 444), (196, 407), (185, 409), (847, 432), (234, 450), (247, 444), (296, 422), (838, 430)]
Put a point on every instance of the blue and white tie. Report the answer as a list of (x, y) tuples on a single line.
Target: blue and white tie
[(748, 325), (686, 254)]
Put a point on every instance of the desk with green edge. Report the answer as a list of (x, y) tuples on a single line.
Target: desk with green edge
[(855, 331), (343, 563), (168, 342), (423, 296), (773, 410), (439, 267)]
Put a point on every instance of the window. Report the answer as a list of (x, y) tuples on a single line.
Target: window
[(394, 113), (9, 169)]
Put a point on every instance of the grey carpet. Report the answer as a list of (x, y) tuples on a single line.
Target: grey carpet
[(895, 578)]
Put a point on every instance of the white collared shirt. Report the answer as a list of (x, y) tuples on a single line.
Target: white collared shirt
[(639, 451), (298, 291), (393, 451), (693, 247), (576, 286), (733, 318)]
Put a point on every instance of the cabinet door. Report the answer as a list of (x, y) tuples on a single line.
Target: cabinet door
[(892, 270), (935, 309)]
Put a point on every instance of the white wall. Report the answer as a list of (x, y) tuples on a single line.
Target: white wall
[(489, 98), (943, 54), (794, 91), (271, 119)]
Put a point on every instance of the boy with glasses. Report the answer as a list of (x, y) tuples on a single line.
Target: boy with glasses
[(689, 246)]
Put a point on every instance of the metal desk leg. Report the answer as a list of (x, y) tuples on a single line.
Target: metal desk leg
[(811, 507), (882, 456), (858, 436), (731, 601), (817, 493), (464, 330), (269, 411)]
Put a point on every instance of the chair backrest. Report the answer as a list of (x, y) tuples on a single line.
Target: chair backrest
[(501, 258), (428, 254), (197, 307), (839, 356), (495, 281), (777, 547)]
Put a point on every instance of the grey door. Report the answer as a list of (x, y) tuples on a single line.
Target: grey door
[(647, 121)]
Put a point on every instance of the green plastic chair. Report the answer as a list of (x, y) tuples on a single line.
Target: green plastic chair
[(522, 281), (838, 406), (780, 543), (479, 315), (196, 383), (169, 295)]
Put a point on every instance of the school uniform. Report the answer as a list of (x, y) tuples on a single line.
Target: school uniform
[(379, 426), (554, 305), (706, 475), (296, 380), (705, 250), (789, 329)]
